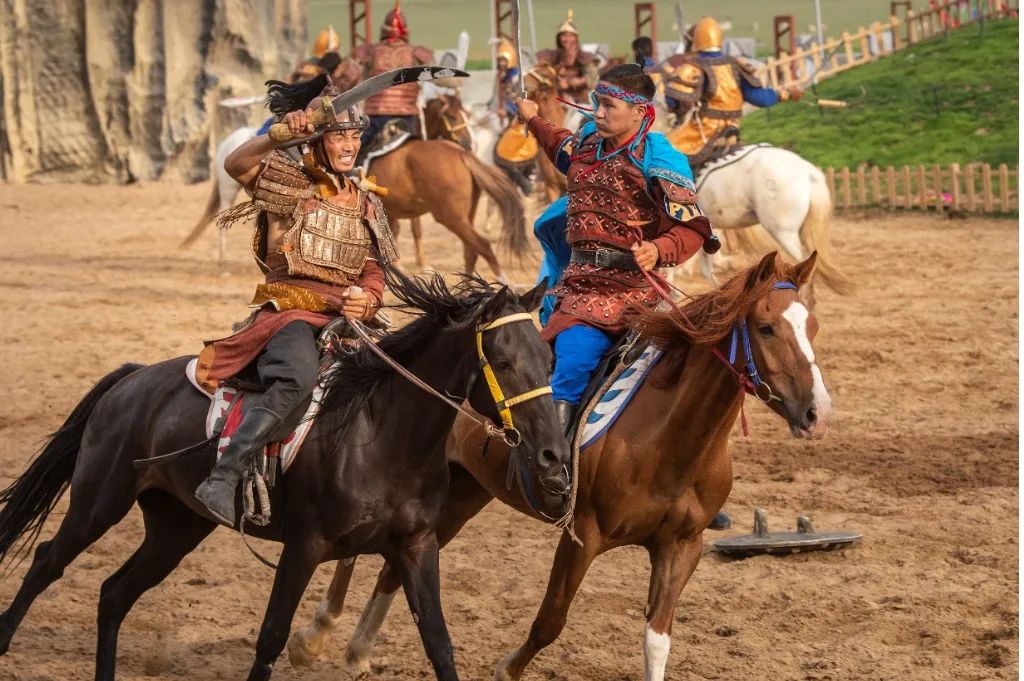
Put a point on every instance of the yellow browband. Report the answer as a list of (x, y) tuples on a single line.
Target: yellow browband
[(504, 405)]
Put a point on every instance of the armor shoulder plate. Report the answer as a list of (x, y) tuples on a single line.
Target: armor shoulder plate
[(281, 185), (685, 83), (547, 56), (681, 203), (747, 72), (378, 221), (584, 57)]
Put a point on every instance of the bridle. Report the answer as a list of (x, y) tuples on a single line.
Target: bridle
[(508, 432)]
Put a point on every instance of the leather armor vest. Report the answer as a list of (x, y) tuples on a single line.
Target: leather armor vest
[(325, 242)]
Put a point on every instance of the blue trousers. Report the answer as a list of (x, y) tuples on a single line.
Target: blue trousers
[(578, 351)]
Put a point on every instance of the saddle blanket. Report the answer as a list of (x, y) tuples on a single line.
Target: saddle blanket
[(616, 396), (386, 149), (226, 413)]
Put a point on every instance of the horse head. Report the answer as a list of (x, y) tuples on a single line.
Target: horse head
[(513, 389), (781, 361), (541, 82), (445, 118)]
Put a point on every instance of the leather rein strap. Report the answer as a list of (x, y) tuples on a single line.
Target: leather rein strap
[(509, 433)]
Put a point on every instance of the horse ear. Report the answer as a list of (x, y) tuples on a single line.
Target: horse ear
[(532, 299), (763, 270), (804, 271)]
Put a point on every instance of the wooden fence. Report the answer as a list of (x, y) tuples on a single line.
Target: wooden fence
[(807, 66), (975, 187)]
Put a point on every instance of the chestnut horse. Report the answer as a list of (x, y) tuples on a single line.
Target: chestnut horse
[(658, 475)]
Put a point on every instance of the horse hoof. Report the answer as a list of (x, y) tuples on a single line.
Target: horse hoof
[(357, 662), (501, 672), (302, 652), (721, 521)]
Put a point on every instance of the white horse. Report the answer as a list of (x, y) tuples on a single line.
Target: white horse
[(225, 189), (785, 194)]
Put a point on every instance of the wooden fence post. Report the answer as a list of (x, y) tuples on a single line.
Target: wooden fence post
[(865, 47), (830, 178), (897, 42), (986, 187), (844, 174), (1004, 188), (922, 198), (908, 202), (890, 181), (876, 186), (954, 178), (862, 187), (937, 180), (969, 180), (848, 48), (911, 29)]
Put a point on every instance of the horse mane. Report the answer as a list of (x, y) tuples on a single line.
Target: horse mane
[(440, 307), (711, 316)]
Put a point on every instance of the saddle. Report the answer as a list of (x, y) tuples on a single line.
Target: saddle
[(623, 355), (393, 135), (515, 150), (725, 142), (228, 402)]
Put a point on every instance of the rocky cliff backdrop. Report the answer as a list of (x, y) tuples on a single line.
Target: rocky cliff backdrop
[(125, 90)]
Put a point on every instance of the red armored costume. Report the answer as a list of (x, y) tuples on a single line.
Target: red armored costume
[(609, 208)]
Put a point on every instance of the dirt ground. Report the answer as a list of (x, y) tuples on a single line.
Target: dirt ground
[(922, 362)]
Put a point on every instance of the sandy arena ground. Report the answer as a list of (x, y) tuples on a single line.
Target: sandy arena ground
[(922, 458)]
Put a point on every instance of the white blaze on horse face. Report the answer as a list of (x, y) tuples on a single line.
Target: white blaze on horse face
[(656, 647), (796, 314)]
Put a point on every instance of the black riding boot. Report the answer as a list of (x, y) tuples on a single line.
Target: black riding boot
[(218, 491), (566, 412)]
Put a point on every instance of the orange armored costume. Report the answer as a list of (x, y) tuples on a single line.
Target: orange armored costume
[(709, 88)]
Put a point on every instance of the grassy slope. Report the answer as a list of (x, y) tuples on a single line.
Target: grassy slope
[(437, 23), (893, 118)]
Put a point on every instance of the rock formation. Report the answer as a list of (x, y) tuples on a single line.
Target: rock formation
[(126, 90)]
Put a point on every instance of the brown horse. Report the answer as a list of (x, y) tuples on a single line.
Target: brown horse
[(541, 82), (657, 476), (445, 118), (445, 180)]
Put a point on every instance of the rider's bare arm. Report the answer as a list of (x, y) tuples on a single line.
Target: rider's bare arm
[(243, 163)]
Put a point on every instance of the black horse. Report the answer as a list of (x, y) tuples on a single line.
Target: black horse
[(371, 478)]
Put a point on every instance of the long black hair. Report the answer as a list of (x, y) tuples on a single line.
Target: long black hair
[(283, 97)]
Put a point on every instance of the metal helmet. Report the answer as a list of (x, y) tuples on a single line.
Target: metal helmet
[(506, 50), (394, 26), (326, 41), (707, 35), (566, 27)]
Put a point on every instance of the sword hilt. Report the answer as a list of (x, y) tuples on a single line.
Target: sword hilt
[(322, 115)]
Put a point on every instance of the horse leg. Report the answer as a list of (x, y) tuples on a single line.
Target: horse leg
[(172, 532), (294, 570), (571, 563), (88, 518), (306, 645), (421, 578), (671, 567), (466, 498), (417, 238)]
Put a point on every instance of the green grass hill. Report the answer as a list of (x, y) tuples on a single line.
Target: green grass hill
[(951, 99)]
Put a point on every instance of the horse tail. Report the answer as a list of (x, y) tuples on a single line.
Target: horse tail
[(212, 206), (505, 196), (30, 499), (814, 235)]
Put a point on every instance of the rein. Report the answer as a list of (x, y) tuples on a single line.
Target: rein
[(749, 380), (508, 433)]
